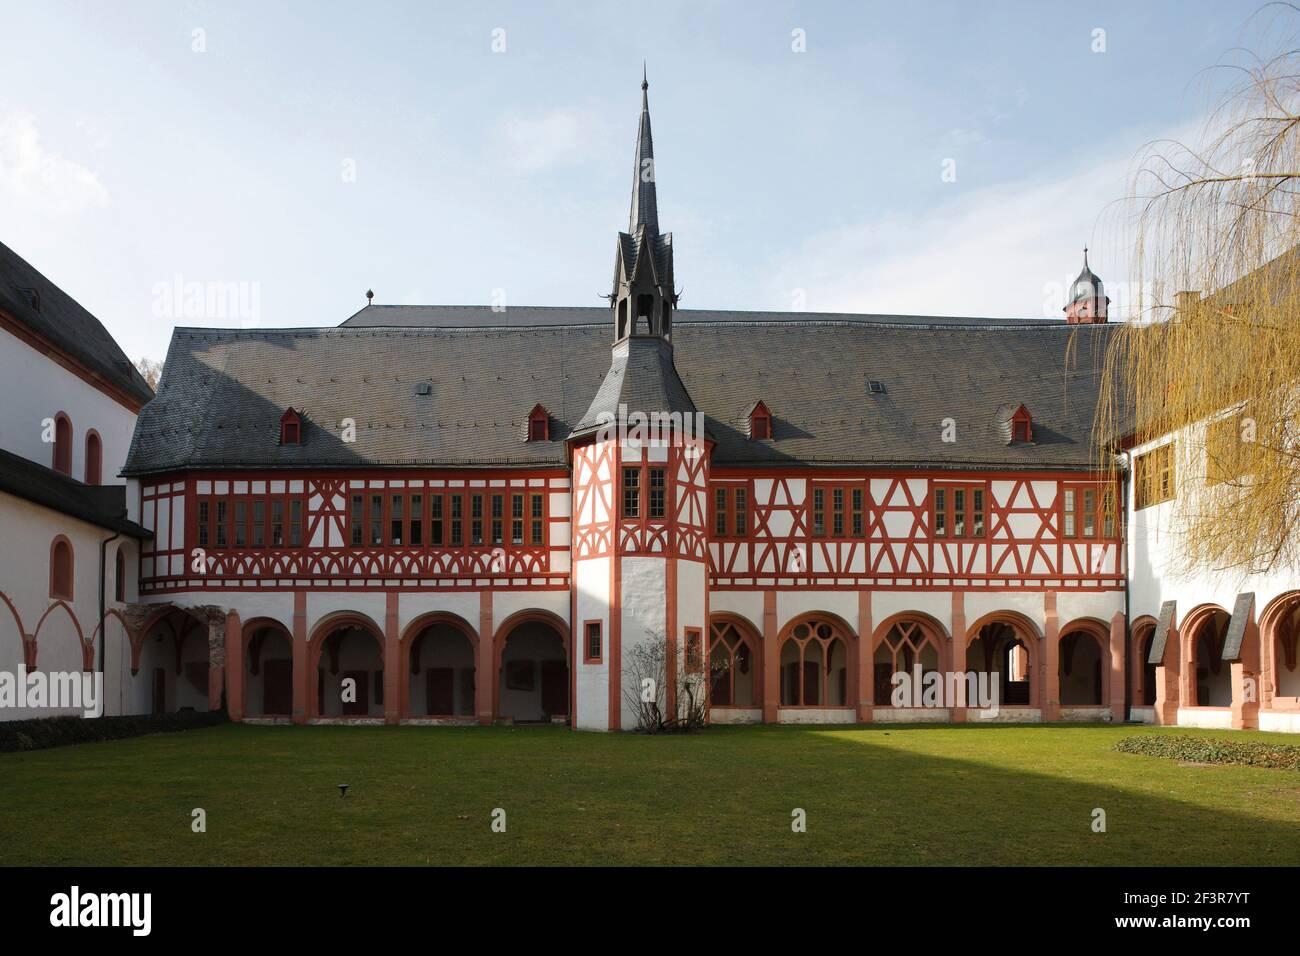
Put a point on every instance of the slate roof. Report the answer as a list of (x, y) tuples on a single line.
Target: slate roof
[(223, 391), (61, 320), (102, 505)]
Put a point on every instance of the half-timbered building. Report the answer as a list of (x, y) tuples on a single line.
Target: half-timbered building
[(467, 515)]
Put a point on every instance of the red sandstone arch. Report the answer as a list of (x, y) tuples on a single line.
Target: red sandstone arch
[(916, 628), (408, 644), (1189, 633), (822, 642), (1142, 675), (752, 640), (1026, 631), (248, 630), (1279, 651), (1098, 631), (502, 635), (81, 637), (324, 629)]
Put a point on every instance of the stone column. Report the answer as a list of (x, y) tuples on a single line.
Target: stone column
[(771, 660), (1168, 683), (957, 655), (485, 677), (392, 662), (234, 667), (301, 657), (1050, 664), (865, 684), (216, 656), (1118, 630), (1247, 679)]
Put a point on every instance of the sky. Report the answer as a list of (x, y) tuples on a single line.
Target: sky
[(282, 158)]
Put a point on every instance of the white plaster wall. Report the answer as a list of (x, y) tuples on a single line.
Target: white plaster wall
[(1279, 722), (37, 388), (1005, 715), (591, 580), (746, 604), (506, 603), (1028, 603), (1205, 717), (642, 615), (736, 715), (910, 715), (373, 604), (791, 604), (410, 605), (26, 532), (1102, 605), (885, 604), (276, 605)]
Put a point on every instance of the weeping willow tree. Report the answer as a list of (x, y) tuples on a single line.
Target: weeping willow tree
[(1218, 367)]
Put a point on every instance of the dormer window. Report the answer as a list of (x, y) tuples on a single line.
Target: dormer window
[(1022, 427), (291, 428), (760, 422), (539, 424)]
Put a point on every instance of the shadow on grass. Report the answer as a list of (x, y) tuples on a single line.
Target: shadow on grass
[(877, 795)]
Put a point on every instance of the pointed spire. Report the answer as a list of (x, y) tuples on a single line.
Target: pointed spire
[(645, 206)]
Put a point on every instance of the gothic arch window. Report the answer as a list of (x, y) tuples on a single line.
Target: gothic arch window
[(732, 657), (61, 577), (814, 665), (63, 444), (94, 458)]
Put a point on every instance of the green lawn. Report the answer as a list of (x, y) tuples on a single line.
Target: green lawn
[(877, 795)]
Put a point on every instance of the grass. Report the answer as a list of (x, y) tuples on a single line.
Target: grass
[(873, 795)]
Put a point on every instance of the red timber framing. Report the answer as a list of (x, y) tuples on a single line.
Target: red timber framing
[(841, 529), (374, 530)]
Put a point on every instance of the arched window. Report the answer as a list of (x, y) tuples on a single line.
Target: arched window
[(94, 458), (61, 569), (63, 444), (814, 666), (731, 666), (119, 577)]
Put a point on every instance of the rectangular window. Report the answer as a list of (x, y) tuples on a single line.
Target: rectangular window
[(516, 519), (498, 518), (592, 648), (358, 521), (720, 512), (295, 523), (1089, 512), (658, 493), (1109, 517), (435, 520), (1069, 514), (476, 519), (819, 512), (457, 504), (259, 523), (277, 523), (376, 521), (396, 520), (221, 525), (1154, 479), (631, 493), (742, 512), (837, 512), (694, 650), (205, 533), (241, 524), (416, 536), (858, 526), (959, 512), (536, 520)]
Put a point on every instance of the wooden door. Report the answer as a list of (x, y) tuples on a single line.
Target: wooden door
[(277, 687), (555, 688), (159, 690), (361, 706), (441, 690)]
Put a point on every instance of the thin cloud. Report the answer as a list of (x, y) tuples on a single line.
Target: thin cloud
[(34, 179), (561, 137)]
